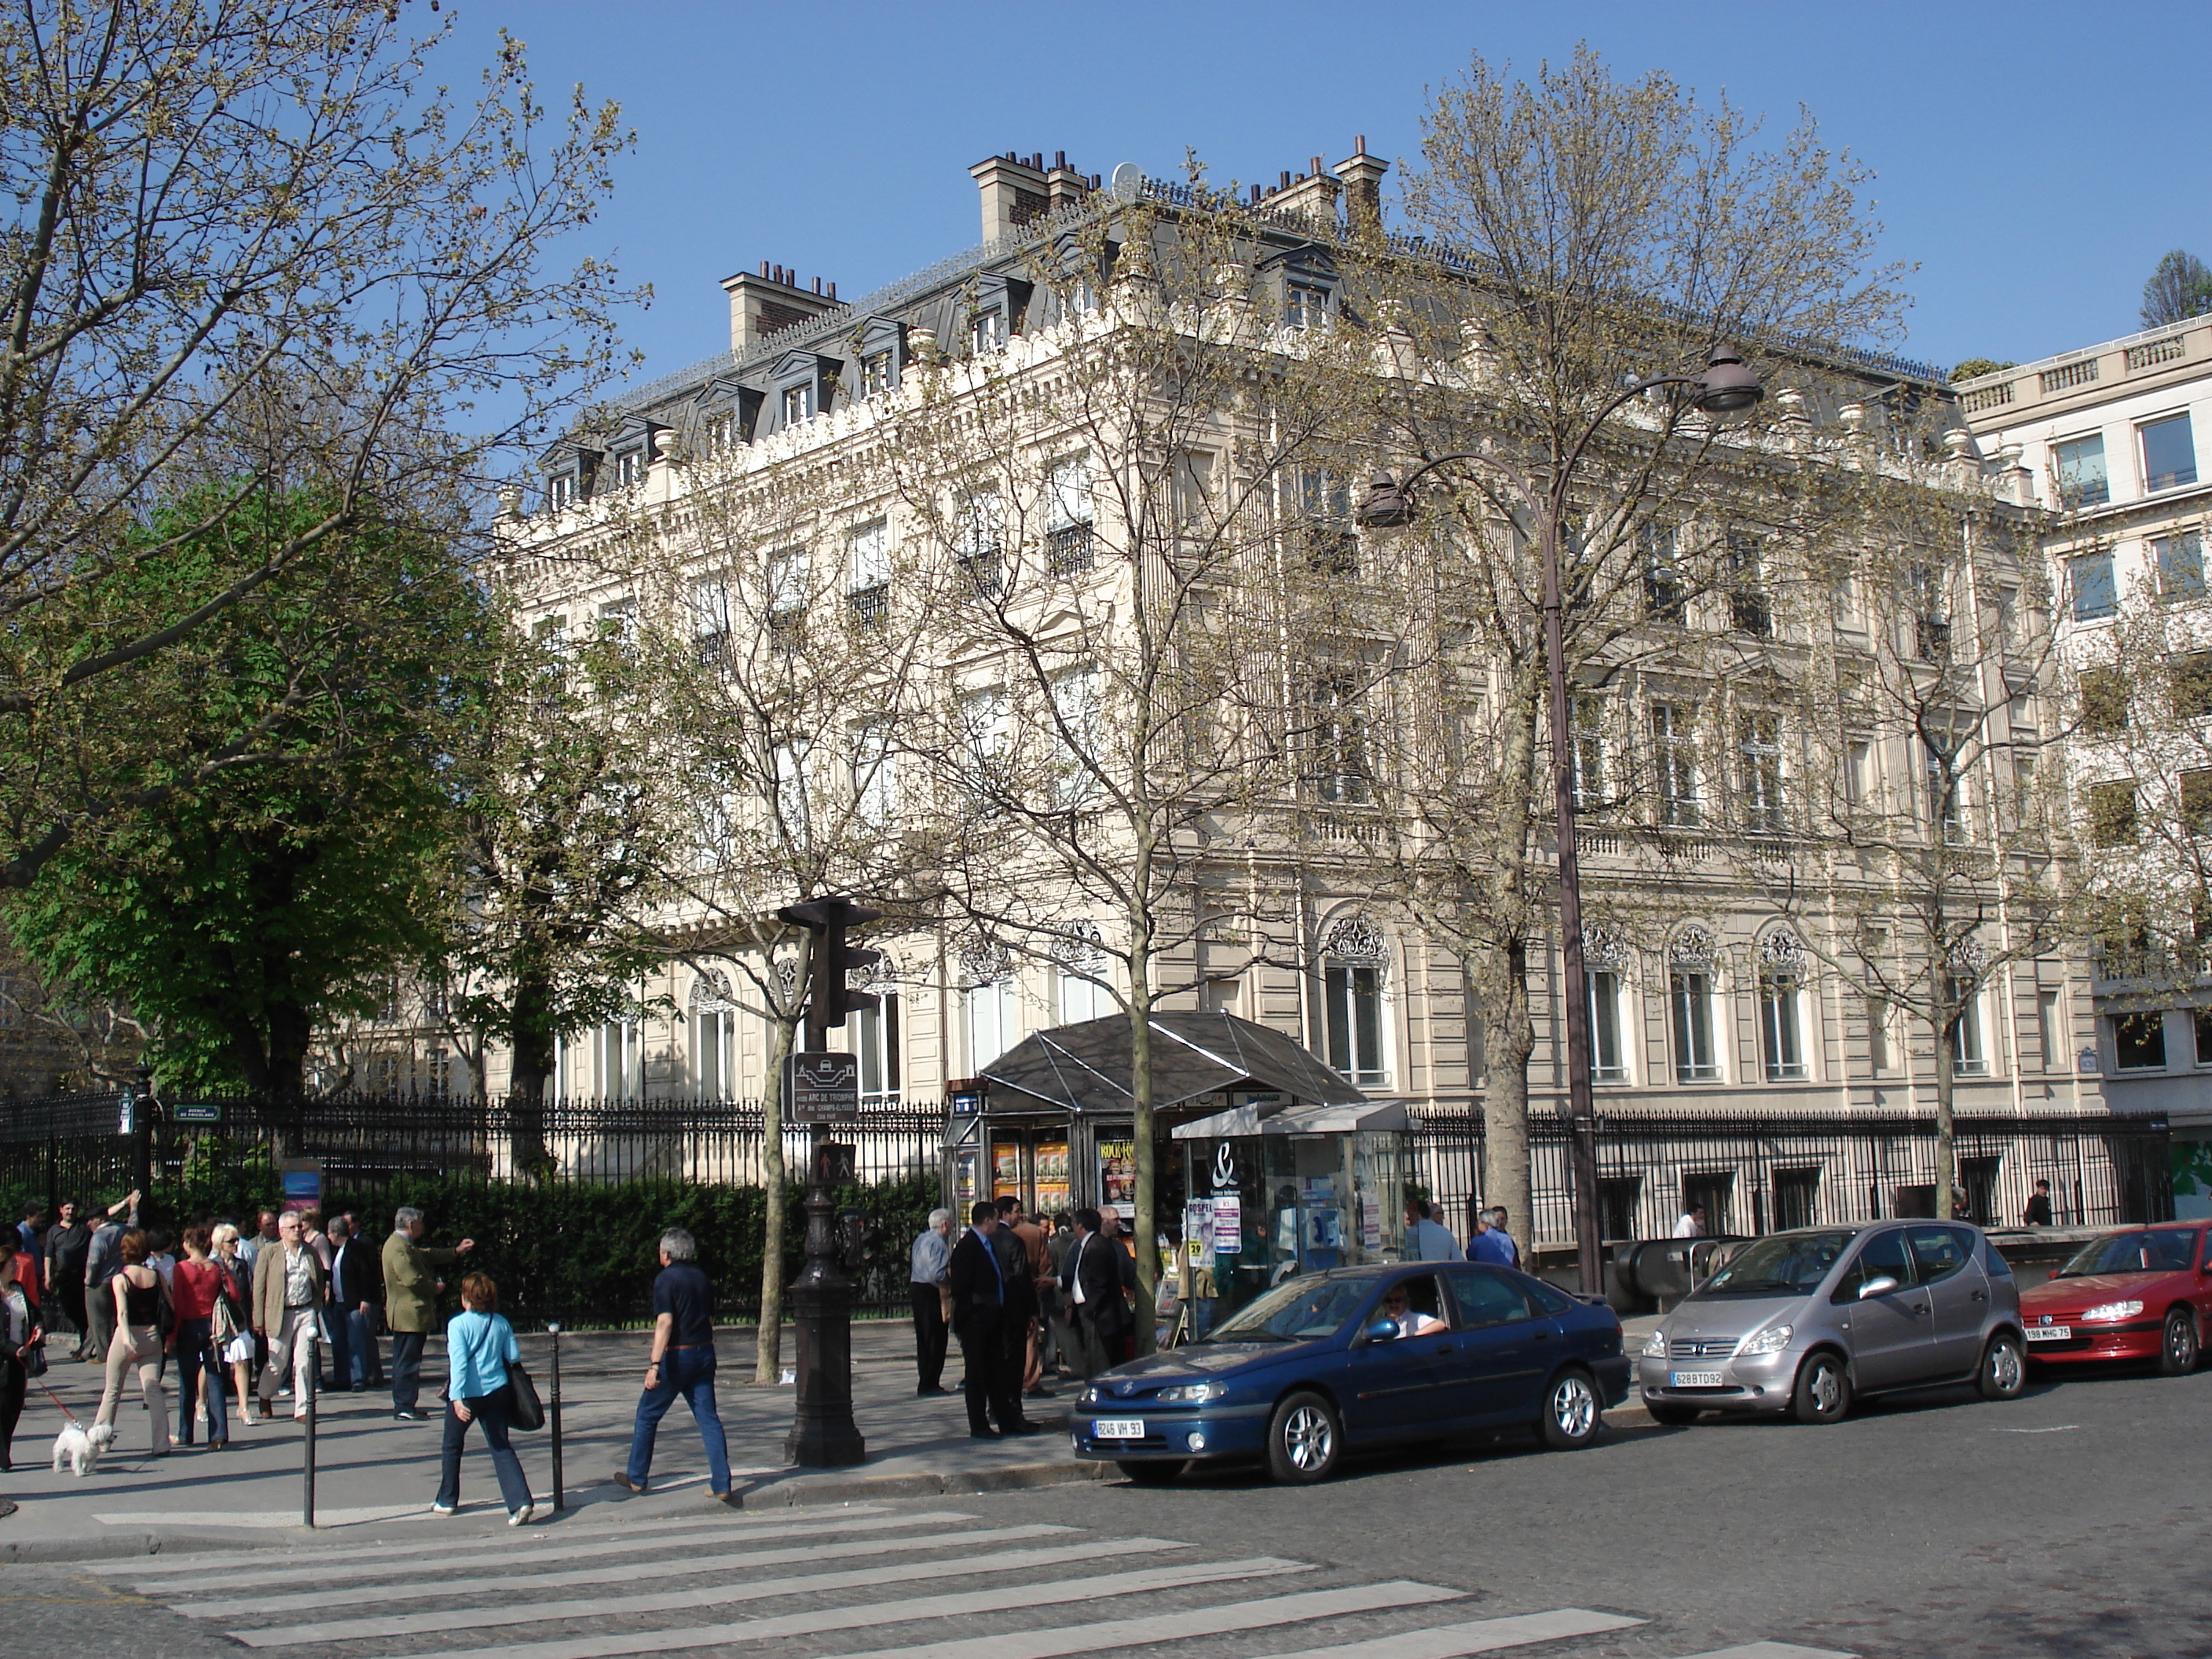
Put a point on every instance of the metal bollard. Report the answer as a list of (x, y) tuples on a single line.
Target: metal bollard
[(314, 1376), (553, 1412)]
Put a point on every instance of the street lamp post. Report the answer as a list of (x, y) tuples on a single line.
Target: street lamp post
[(1724, 386)]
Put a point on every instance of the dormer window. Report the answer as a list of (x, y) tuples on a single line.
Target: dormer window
[(878, 372), (987, 331), (562, 493), (629, 468), (798, 404), (721, 433), (1305, 305)]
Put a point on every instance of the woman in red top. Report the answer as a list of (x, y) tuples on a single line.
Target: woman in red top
[(198, 1284)]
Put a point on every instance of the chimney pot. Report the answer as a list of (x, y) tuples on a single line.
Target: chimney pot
[(1359, 145), (1285, 182), (1316, 167), (1256, 195), (818, 285), (833, 290), (1058, 158), (763, 267)]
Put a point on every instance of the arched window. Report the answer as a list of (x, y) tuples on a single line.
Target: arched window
[(713, 1038), (989, 1004), (873, 1035), (1781, 1007), (1354, 972), (1604, 958), (1690, 1006), (1080, 971)]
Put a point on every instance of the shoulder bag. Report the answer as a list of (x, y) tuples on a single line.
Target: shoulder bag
[(525, 1411)]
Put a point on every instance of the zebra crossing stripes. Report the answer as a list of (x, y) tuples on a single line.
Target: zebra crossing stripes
[(681, 1566), (848, 1516), (967, 1604), (1234, 1617), (324, 1567), (664, 1601), (1773, 1650), (1475, 1636)]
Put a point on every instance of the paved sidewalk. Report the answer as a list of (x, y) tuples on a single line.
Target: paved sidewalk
[(375, 1475)]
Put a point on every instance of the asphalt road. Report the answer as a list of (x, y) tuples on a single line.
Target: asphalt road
[(2072, 1522)]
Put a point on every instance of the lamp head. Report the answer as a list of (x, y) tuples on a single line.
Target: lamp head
[(1726, 386), (1385, 506)]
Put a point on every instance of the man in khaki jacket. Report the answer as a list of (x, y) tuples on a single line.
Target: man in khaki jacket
[(288, 1291), (410, 1305)]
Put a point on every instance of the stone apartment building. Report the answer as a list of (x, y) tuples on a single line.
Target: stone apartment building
[(1724, 1017), (2106, 438)]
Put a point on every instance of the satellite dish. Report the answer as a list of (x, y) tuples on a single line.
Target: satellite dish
[(1128, 182)]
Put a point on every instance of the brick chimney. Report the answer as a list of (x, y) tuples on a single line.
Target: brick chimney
[(761, 303), (1362, 183), (1016, 189)]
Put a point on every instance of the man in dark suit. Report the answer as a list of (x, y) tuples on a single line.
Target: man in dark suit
[(983, 1308), (1091, 1275), (357, 1289)]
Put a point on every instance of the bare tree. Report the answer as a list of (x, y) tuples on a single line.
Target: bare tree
[(250, 243), (1583, 239)]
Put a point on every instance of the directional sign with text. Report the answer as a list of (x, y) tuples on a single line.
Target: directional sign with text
[(823, 1088), (197, 1111)]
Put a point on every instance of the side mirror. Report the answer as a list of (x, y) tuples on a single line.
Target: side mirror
[(1382, 1330), (1881, 1286)]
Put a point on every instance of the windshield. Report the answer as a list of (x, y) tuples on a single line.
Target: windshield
[(2132, 1253), (1793, 1264), (1293, 1312)]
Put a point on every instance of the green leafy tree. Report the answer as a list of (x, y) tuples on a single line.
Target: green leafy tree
[(1973, 367), (2180, 288), (239, 909)]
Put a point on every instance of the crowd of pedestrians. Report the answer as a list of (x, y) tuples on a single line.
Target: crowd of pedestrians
[(1027, 1305)]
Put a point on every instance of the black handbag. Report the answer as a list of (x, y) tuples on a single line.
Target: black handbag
[(524, 1410), (33, 1356)]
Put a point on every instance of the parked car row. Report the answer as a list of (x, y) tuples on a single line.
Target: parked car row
[(1802, 1323)]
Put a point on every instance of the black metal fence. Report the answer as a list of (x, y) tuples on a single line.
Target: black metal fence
[(1762, 1175), (568, 1235)]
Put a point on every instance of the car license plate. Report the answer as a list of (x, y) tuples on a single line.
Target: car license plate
[(1697, 1380), (1118, 1428), (2049, 1333)]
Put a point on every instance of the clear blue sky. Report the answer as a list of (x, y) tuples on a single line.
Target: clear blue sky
[(2033, 159)]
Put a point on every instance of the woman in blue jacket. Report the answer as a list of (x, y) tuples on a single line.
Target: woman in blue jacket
[(480, 1346)]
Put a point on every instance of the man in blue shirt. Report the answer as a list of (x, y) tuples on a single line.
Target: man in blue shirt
[(682, 1363), (1427, 1239), (1488, 1244), (929, 1282)]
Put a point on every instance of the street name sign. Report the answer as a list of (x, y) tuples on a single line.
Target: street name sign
[(823, 1088)]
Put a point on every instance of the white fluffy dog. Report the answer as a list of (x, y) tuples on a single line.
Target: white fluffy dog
[(80, 1447)]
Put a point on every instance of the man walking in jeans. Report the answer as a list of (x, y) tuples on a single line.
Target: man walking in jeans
[(682, 1363)]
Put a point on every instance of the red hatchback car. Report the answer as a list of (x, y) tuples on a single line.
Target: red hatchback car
[(2142, 1294)]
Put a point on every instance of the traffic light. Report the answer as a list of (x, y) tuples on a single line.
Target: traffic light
[(831, 960)]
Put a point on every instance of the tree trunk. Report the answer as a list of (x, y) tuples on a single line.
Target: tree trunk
[(1145, 1223), (767, 1346), (1946, 1162), (1509, 1041), (529, 1070)]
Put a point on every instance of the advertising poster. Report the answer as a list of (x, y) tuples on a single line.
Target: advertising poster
[(1370, 1222), (1051, 1177), (1117, 1174), (303, 1183), (1228, 1224), (1006, 1168), (1197, 1244), (964, 1181)]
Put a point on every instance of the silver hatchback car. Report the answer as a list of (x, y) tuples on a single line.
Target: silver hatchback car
[(1804, 1322)]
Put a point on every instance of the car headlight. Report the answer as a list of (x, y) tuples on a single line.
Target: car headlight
[(1089, 1396), (1191, 1393), (2113, 1310), (1655, 1346), (1773, 1340)]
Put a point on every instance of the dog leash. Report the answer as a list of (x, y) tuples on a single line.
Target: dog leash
[(60, 1407)]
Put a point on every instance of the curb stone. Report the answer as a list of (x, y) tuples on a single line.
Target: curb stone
[(795, 1493)]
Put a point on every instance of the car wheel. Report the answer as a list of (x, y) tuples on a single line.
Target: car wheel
[(1824, 1390), (2178, 1351), (1672, 1417), (2004, 1368), (1150, 1474), (1572, 1412), (1304, 1440)]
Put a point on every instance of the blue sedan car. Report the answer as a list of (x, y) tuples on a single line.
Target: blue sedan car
[(1361, 1356)]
